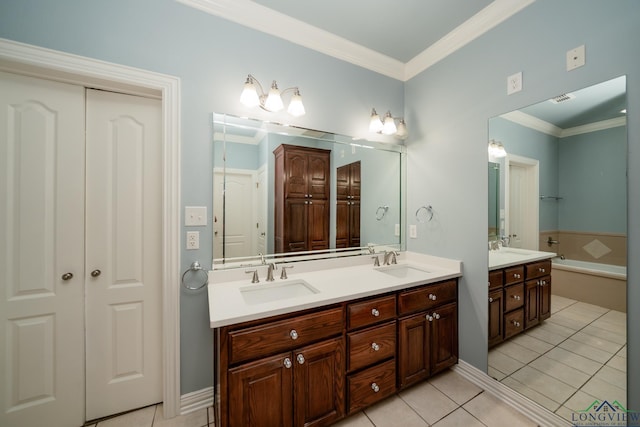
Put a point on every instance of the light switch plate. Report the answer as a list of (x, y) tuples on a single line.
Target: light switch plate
[(195, 215), (413, 231), (514, 83)]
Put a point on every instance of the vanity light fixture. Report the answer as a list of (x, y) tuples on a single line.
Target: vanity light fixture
[(388, 125), (496, 149), (271, 101)]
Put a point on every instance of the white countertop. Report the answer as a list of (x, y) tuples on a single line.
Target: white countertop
[(506, 257), (336, 280)]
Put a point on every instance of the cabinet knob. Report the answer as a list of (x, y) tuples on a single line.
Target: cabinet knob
[(516, 297), (287, 363), (375, 346), (375, 387), (375, 312), (489, 284), (293, 334), (429, 318), (300, 359), (541, 270), (516, 323), (432, 297), (490, 299), (516, 275), (436, 316), (67, 276)]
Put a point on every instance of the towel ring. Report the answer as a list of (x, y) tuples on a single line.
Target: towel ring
[(424, 213), (196, 269), (381, 212)]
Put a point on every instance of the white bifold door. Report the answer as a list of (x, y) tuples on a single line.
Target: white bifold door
[(80, 251)]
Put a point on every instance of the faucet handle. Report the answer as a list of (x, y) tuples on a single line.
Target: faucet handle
[(394, 254), (376, 261), (284, 268), (255, 278)]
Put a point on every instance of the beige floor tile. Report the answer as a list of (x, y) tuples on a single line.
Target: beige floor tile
[(389, 411), (194, 419), (532, 343), (619, 363), (579, 401), (558, 303), (576, 361), (544, 384), (596, 332), (503, 363), (597, 342), (455, 386), (140, 418), (459, 418), (493, 413), (531, 394), (605, 391), (612, 376), (568, 322), (586, 307), (431, 404), (579, 314), (560, 371), (550, 333), (495, 374), (587, 351), (517, 352), (566, 413), (622, 352), (356, 420)]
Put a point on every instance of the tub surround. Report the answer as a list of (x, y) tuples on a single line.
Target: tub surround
[(335, 280)]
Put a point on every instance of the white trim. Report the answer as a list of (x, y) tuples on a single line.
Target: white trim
[(56, 65), (594, 127), (196, 400), (522, 404), (532, 209), (535, 123), (261, 18)]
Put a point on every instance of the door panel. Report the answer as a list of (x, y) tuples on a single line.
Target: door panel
[(123, 253), (41, 238)]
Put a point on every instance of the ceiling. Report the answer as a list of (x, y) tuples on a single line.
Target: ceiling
[(398, 38)]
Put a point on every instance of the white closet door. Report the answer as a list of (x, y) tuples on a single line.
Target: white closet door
[(123, 253), (41, 241)]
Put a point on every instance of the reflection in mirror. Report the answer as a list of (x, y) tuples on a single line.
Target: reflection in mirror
[(577, 142), (287, 190), (494, 201)]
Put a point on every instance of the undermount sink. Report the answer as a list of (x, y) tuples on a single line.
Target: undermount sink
[(402, 271), (262, 293)]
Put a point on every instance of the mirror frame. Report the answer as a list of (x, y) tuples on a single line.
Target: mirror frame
[(337, 140)]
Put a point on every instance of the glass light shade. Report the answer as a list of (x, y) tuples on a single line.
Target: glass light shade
[(389, 127), (375, 125), (249, 96), (274, 100), (296, 108), (496, 149), (402, 132)]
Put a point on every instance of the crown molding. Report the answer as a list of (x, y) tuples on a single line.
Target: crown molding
[(534, 123), (261, 18), (593, 127)]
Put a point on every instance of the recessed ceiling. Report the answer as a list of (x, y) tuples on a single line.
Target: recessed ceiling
[(399, 38)]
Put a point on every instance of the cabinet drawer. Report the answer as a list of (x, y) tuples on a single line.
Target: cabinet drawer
[(538, 269), (513, 297), (371, 345), (426, 297), (513, 323), (495, 279), (272, 337), (371, 385), (371, 311), (513, 275)]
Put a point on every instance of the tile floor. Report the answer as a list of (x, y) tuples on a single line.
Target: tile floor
[(576, 356), (446, 400)]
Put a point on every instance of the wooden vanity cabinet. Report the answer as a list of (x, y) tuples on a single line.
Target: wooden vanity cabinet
[(301, 202)]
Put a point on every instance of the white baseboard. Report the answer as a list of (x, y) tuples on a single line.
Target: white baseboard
[(195, 400), (522, 404)]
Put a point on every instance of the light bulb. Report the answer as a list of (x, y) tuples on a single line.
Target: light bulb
[(389, 127), (375, 125), (249, 97), (296, 108), (402, 132), (274, 100)]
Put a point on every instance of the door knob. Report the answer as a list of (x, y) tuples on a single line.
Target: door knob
[(67, 276), (96, 273)]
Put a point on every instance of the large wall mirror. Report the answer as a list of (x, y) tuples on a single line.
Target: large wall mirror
[(562, 188), (289, 191)]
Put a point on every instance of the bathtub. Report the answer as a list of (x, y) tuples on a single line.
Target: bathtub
[(600, 284)]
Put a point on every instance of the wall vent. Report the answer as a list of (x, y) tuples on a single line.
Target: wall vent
[(562, 98)]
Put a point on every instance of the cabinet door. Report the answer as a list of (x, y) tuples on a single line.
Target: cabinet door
[(354, 224), (295, 238), (318, 175), (318, 224), (295, 170), (531, 304), (444, 338), (545, 297), (495, 317), (342, 223), (260, 393), (319, 397), (413, 349)]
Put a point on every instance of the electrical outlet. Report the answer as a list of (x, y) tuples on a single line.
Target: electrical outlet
[(193, 240), (514, 83), (413, 231), (575, 58), (397, 231)]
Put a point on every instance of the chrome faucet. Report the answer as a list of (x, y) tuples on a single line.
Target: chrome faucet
[(376, 261), (390, 257), (272, 266), (255, 278)]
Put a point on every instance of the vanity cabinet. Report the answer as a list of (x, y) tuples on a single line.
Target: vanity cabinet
[(313, 367), (427, 331), (519, 298), (348, 184), (301, 203)]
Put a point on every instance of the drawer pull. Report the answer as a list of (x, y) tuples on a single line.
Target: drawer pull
[(375, 312), (375, 346), (515, 323), (287, 363), (516, 276), (489, 283), (490, 299), (300, 359), (429, 318), (375, 387), (516, 297), (541, 270), (432, 297), (436, 316), (293, 334)]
